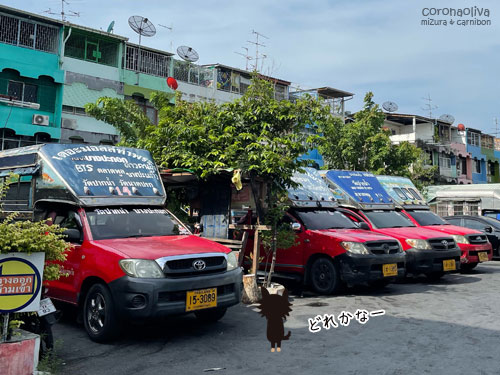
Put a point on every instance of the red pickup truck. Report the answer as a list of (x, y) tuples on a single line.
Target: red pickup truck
[(474, 245), (329, 249), (132, 259)]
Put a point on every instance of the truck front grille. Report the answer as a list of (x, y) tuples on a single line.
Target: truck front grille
[(477, 239), (382, 247), (186, 266), (445, 243)]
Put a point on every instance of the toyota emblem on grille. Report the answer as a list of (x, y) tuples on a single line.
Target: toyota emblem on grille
[(444, 243), (385, 247), (478, 238), (199, 265)]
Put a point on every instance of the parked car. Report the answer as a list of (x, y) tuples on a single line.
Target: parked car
[(365, 202), (484, 224), (132, 259), (329, 249), (474, 245)]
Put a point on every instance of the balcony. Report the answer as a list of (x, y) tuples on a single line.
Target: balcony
[(147, 61)]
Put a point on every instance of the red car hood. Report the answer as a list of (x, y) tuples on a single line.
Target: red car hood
[(452, 229), (158, 247), (411, 232), (353, 235)]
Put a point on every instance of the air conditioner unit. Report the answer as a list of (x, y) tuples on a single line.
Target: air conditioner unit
[(68, 123), (40, 120)]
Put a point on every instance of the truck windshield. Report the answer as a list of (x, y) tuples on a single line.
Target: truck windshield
[(124, 222), (427, 218), (388, 219), (325, 219)]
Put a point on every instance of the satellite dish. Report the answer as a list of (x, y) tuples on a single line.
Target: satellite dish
[(111, 27), (187, 54), (447, 118), (390, 106), (142, 26)]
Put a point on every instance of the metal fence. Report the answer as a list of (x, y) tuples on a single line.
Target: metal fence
[(29, 34), (151, 63), (194, 74)]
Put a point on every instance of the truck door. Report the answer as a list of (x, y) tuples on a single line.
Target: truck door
[(66, 287), (292, 258)]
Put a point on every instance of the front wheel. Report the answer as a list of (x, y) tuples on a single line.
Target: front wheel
[(324, 276), (210, 315), (99, 316)]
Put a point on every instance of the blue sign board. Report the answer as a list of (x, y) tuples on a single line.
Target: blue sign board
[(103, 171), (312, 190), (362, 187)]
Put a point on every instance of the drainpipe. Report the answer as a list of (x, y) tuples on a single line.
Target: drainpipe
[(63, 46)]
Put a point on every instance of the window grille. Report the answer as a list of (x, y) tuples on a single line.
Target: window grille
[(28, 34), (152, 63)]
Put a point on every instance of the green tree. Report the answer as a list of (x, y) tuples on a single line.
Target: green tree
[(364, 145)]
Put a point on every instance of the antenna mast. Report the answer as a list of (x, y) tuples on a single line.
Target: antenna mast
[(429, 106), (246, 56), (62, 13), (257, 44)]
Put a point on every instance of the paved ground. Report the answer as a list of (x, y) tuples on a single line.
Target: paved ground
[(447, 327)]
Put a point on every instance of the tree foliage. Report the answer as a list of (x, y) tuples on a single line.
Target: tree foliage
[(364, 145), (31, 237)]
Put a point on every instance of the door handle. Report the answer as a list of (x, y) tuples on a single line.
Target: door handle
[(307, 241)]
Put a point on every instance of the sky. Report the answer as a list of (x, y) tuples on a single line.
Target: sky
[(355, 46)]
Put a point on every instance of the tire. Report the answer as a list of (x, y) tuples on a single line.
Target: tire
[(468, 266), (210, 315), (435, 275), (324, 276), (99, 315)]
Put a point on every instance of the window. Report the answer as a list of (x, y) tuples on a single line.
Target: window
[(458, 208), (442, 208), (325, 219), (455, 221), (388, 219), (426, 218), (444, 162), (150, 111), (474, 224), (22, 91), (152, 63), (463, 162), (74, 110), (477, 166), (474, 139)]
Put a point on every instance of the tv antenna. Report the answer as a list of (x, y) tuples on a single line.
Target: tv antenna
[(257, 45), (390, 106), (143, 27), (62, 13), (246, 56), (166, 27), (187, 54), (447, 118), (429, 107)]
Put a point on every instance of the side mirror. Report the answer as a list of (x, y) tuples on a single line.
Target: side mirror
[(72, 235), (363, 225), (296, 226), (488, 229)]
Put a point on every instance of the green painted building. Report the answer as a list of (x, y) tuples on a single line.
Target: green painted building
[(31, 79)]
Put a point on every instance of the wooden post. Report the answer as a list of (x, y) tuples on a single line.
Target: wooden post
[(256, 252)]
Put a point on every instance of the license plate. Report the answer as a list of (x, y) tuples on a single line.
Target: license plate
[(449, 265), (390, 269), (201, 299), (46, 307), (483, 256)]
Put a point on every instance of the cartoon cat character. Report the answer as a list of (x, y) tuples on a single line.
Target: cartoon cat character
[(275, 308)]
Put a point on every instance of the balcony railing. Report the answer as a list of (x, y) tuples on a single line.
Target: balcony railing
[(194, 74), (29, 34), (150, 62)]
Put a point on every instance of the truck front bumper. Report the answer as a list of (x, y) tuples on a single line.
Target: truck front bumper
[(470, 252), (364, 268), (138, 298), (430, 261)]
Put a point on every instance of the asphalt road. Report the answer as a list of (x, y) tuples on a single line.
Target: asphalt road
[(451, 326)]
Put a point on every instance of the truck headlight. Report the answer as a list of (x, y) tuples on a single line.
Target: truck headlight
[(460, 239), (232, 261), (355, 247), (419, 244), (143, 268)]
